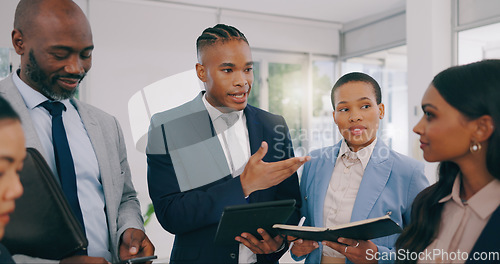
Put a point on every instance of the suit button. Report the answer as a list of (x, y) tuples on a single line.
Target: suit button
[(232, 255)]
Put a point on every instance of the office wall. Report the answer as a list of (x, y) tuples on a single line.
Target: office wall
[(429, 52), (7, 8)]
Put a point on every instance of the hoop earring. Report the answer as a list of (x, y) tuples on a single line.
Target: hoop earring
[(475, 147)]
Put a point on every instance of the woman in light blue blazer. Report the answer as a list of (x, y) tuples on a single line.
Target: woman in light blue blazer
[(384, 181)]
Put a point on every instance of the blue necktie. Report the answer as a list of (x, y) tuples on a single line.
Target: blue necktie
[(64, 161)]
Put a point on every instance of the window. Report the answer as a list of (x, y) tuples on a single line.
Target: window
[(479, 43), (323, 131), (297, 86), (280, 87)]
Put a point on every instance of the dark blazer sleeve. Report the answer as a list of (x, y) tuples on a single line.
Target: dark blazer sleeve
[(180, 212), (488, 242)]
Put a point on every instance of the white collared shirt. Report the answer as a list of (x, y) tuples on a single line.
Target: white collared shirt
[(239, 132), (88, 177), (343, 189), (463, 221)]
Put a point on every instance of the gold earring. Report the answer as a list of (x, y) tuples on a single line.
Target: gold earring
[(475, 147)]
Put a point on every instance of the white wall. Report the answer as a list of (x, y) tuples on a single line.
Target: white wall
[(7, 8), (429, 46)]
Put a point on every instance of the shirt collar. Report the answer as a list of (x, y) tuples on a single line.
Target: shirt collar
[(214, 112), (363, 154), (455, 193), (31, 97), (483, 203)]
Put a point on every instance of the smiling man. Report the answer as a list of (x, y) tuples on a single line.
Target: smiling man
[(216, 151), (83, 145)]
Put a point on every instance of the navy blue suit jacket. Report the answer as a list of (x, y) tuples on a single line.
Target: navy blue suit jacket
[(5, 257), (192, 212), (488, 242)]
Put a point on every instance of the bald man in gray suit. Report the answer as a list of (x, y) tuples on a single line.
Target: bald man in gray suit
[(54, 40)]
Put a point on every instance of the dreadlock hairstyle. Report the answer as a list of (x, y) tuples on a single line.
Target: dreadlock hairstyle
[(219, 32), (473, 90)]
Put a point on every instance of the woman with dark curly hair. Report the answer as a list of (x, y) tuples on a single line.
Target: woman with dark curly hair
[(458, 218)]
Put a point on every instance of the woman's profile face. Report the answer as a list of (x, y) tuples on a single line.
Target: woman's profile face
[(12, 154), (445, 134)]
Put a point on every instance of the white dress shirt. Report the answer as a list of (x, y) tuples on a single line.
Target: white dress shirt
[(236, 145), (88, 178), (343, 188)]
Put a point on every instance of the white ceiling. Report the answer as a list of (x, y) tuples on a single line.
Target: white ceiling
[(340, 11)]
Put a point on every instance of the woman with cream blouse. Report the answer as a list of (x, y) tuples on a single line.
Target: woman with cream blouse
[(458, 218)]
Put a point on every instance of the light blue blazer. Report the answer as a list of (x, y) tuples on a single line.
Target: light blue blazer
[(390, 183)]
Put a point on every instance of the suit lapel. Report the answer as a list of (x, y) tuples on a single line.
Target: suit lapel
[(255, 133), (375, 178), (97, 139), (201, 126), (10, 92), (322, 179), (255, 138)]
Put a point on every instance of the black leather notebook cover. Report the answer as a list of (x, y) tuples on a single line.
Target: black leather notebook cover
[(42, 224), (249, 217), (361, 230)]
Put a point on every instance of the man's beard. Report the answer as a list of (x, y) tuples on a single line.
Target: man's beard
[(46, 86)]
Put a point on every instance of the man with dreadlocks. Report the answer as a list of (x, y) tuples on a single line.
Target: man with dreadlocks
[(216, 151)]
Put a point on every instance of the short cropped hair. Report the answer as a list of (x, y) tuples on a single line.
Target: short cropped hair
[(358, 77)]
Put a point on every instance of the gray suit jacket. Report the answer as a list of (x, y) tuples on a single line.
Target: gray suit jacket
[(122, 207)]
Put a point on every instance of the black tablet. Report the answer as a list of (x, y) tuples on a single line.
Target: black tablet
[(249, 217)]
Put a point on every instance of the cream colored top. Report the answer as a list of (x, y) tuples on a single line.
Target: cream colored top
[(343, 188), (462, 222)]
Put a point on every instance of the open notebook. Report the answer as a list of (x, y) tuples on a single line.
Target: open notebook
[(361, 230)]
